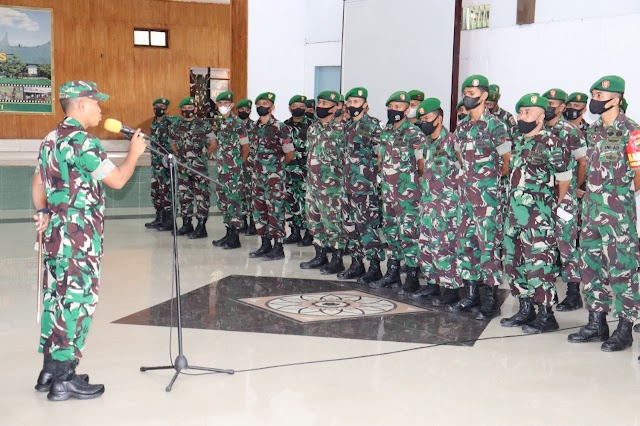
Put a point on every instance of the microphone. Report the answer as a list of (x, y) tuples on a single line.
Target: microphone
[(114, 126)]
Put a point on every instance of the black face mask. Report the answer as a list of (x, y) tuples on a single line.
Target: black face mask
[(597, 107), (526, 127), (471, 103), (462, 116), (338, 113), (310, 115), (298, 112), (394, 116), (159, 112), (355, 111), (243, 115), (428, 127), (571, 113), (323, 112), (549, 114), (263, 110), (188, 114)]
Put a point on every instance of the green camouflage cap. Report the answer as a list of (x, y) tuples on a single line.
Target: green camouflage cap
[(163, 101), (476, 80), (187, 101), (298, 98), (416, 95), (329, 95), (532, 100), (267, 96), (609, 83), (427, 106), (624, 105), (556, 95), (244, 103), (310, 103), (81, 89), (357, 92), (400, 96), (494, 93), (578, 97), (225, 96)]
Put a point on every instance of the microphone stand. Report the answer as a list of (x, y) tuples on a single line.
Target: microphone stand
[(181, 363)]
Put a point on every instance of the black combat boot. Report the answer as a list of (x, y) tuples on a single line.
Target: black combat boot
[(391, 278), (66, 384), (573, 300), (429, 290), (251, 230), (335, 265), (596, 329), (356, 269), (404, 269), (525, 314), (233, 242), (264, 248), (167, 221), (187, 227), (545, 321), (449, 297), (373, 273), (470, 301), (295, 237), (489, 304), (201, 230), (48, 371), (319, 260), (222, 241), (307, 240), (244, 226), (621, 338), (155, 222), (411, 282), (276, 253)]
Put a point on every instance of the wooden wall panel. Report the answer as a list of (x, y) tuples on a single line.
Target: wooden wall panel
[(93, 40), (239, 41)]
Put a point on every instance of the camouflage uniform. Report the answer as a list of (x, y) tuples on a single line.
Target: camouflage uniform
[(72, 164), (247, 174), (297, 173), (160, 180), (609, 239), (400, 151), (231, 136), (325, 183), (512, 130), (482, 144), (361, 206), (192, 141), (439, 211), (536, 166), (270, 142)]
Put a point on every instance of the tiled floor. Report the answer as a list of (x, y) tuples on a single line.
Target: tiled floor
[(239, 314)]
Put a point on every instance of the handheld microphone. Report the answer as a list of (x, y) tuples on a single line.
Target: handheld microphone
[(115, 126)]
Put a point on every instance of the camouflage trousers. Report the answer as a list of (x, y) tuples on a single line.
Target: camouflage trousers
[(195, 194), (70, 299), (566, 236), (437, 242), (268, 205), (296, 194), (160, 185), (479, 239), (230, 199), (324, 219), (609, 263), (247, 188), (401, 228), (530, 263), (361, 220)]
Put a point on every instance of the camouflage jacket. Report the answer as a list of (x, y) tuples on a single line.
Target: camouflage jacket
[(508, 120), (576, 147), (537, 165), (271, 141), (584, 126), (361, 155), (72, 164), (192, 141), (299, 135), (441, 167), (400, 151), (325, 157), (231, 136), (159, 133)]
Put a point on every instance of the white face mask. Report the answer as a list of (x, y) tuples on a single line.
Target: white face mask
[(224, 110), (412, 113)]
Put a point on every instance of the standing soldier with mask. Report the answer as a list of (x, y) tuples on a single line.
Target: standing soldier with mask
[(192, 140), (325, 180), (485, 152), (575, 147), (272, 141), (503, 115), (576, 107), (310, 103), (361, 208), (248, 225), (461, 111), (438, 207), (400, 165), (297, 173), (416, 96), (609, 238), (160, 190), (539, 173), (231, 150)]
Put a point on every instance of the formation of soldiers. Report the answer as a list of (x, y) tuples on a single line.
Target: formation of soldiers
[(532, 199)]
